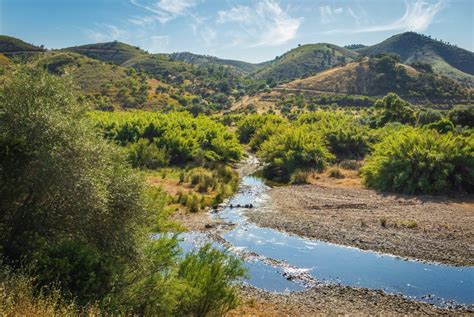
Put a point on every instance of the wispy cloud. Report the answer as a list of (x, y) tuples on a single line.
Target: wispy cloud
[(418, 17), (264, 24), (328, 14), (162, 11), (106, 33)]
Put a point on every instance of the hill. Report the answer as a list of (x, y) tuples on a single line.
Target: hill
[(216, 86), (110, 86), (445, 59), (112, 52), (377, 77), (304, 61), (13, 47), (206, 60)]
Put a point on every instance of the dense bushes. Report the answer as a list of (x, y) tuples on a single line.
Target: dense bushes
[(79, 218), (345, 137), (248, 125), (421, 161), (294, 148), (183, 137), (58, 181)]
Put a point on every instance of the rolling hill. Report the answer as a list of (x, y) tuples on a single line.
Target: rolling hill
[(110, 86), (206, 60), (13, 47), (378, 76), (445, 59), (304, 61)]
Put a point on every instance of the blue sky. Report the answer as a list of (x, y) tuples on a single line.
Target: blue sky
[(250, 30)]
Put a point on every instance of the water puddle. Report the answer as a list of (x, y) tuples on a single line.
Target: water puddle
[(283, 262)]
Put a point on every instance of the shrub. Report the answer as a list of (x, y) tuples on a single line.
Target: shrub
[(300, 177), (248, 125), (463, 116), (350, 164), (421, 161), (59, 182), (19, 296), (294, 148), (392, 108), (147, 155), (335, 172), (208, 273), (345, 137), (443, 126)]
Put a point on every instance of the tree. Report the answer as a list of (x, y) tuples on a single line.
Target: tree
[(392, 108)]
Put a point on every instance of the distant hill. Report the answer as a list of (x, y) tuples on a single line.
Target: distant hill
[(112, 52), (378, 76), (205, 60), (445, 59), (156, 65), (13, 47), (354, 46), (110, 86), (304, 61)]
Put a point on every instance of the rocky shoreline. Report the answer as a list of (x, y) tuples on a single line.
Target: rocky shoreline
[(424, 228)]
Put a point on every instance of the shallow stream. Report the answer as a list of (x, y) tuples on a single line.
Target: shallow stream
[(281, 262)]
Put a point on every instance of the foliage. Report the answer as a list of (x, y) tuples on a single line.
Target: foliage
[(147, 155), (463, 116), (421, 161), (298, 147), (182, 136), (345, 137), (209, 273), (19, 297), (75, 213), (392, 108), (58, 181), (248, 125)]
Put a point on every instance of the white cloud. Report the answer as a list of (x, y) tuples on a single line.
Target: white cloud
[(418, 17), (328, 14), (163, 10), (106, 33), (264, 24)]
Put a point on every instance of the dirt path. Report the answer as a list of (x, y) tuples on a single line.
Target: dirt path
[(426, 228)]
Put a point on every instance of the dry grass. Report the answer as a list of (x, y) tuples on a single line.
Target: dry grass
[(345, 178), (17, 298)]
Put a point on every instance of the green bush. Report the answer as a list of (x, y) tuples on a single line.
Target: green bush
[(144, 154), (294, 148), (183, 137), (344, 135), (208, 273), (421, 161), (249, 124), (392, 108), (80, 218), (463, 116)]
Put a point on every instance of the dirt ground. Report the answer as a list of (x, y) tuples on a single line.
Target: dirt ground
[(332, 300), (428, 228)]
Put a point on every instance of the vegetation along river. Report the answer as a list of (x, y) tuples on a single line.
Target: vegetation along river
[(280, 262)]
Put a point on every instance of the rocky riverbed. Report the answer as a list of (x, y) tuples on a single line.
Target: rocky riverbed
[(428, 228)]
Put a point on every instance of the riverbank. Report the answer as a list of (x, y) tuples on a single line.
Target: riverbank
[(426, 228), (333, 300)]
